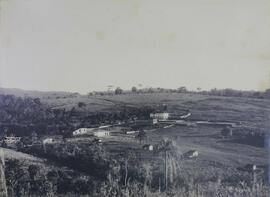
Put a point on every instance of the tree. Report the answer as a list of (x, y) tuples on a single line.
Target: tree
[(81, 186), (4, 144), (118, 91), (267, 93), (165, 146), (182, 89), (128, 156), (37, 101), (33, 172), (141, 135), (110, 88), (150, 90), (134, 89), (81, 104), (53, 177)]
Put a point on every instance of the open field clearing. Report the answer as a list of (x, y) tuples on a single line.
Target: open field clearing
[(251, 113)]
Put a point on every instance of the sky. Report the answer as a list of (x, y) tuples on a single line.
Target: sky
[(86, 45)]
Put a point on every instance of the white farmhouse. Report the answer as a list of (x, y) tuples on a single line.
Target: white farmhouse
[(159, 116), (101, 133)]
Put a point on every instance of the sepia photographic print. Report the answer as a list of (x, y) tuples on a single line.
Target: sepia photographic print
[(134, 98)]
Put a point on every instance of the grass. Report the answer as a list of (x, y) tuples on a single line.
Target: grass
[(252, 113), (217, 156)]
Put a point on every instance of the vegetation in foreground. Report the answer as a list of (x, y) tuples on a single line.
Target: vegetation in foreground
[(96, 173)]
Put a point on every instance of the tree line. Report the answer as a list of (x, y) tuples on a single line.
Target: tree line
[(215, 92)]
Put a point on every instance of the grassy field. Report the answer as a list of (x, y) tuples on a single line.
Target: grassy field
[(252, 113), (216, 155)]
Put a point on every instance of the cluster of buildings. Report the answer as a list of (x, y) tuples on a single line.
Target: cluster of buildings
[(97, 132), (10, 141), (164, 116)]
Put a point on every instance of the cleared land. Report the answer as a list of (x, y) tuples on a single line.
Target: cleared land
[(217, 155), (223, 156)]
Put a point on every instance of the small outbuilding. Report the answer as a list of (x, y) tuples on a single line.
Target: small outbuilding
[(191, 154), (11, 140), (148, 147), (131, 132), (52, 139)]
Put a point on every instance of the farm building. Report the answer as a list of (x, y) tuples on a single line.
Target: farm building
[(91, 131), (160, 116), (104, 126), (191, 154), (228, 124), (131, 132), (82, 131), (47, 141), (148, 147), (11, 140), (101, 133), (52, 139), (185, 116)]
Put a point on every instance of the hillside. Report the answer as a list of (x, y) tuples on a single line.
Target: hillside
[(253, 113), (87, 161), (12, 154), (34, 93)]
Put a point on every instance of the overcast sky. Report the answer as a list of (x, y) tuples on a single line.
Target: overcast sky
[(84, 45)]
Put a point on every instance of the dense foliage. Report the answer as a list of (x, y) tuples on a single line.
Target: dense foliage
[(22, 116)]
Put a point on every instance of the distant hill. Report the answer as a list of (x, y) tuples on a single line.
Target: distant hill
[(36, 94)]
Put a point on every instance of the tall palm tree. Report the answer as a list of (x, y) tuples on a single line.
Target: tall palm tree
[(167, 147)]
